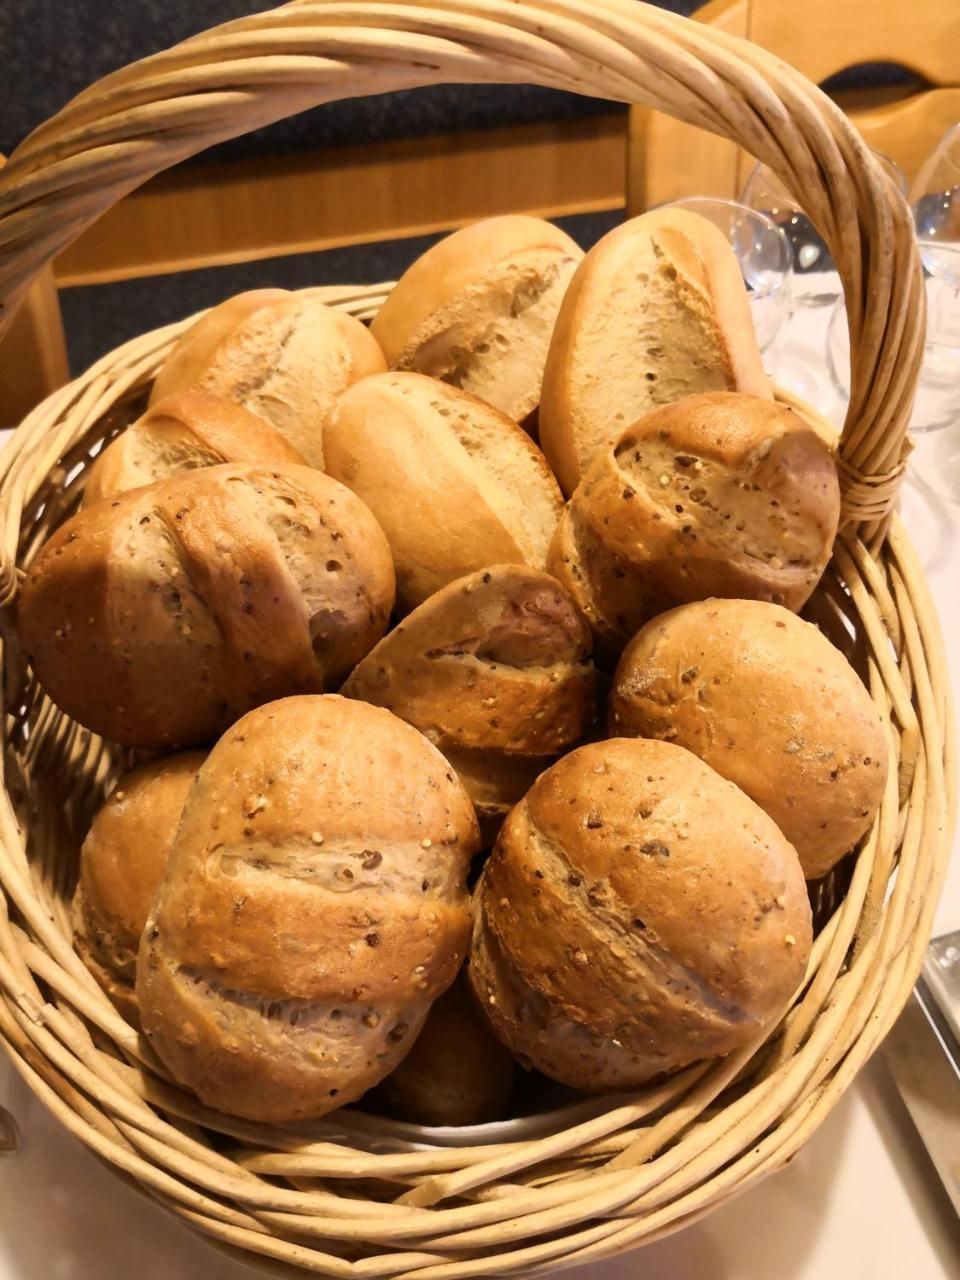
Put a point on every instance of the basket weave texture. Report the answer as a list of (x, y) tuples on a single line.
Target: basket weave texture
[(354, 1195)]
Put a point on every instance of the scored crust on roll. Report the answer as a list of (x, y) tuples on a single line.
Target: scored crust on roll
[(313, 908), (637, 914), (768, 702), (477, 310), (181, 433), (721, 494), (495, 670), (657, 310), (455, 484), (283, 356)]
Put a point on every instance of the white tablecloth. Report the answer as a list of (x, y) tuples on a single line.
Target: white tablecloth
[(861, 1200)]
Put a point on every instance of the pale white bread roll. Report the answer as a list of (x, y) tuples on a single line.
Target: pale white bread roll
[(657, 310), (455, 484), (720, 494), (768, 702), (181, 433), (283, 356), (637, 914), (477, 310), (313, 908)]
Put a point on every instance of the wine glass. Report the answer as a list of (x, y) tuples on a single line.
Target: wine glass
[(764, 257)]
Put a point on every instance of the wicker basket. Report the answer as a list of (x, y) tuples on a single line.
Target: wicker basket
[(358, 1196)]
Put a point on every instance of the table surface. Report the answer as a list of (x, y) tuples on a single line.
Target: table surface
[(860, 1200)]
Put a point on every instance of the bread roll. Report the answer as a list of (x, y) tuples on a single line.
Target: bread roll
[(768, 702), (637, 914), (717, 495), (283, 356), (657, 310), (477, 310), (158, 617), (313, 908), (454, 483), (495, 670), (457, 1072), (121, 864), (182, 433)]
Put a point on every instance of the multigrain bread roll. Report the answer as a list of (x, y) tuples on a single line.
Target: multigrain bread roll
[(477, 310), (455, 484), (158, 617), (122, 862), (657, 310), (495, 670), (283, 356), (768, 702), (181, 433), (721, 494), (457, 1072), (637, 914), (314, 907)]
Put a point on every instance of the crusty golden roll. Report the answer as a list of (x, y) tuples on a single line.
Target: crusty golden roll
[(495, 670), (457, 1072), (283, 356), (455, 484), (313, 908), (768, 702), (181, 433), (722, 494), (638, 913), (657, 310), (158, 617), (477, 310), (122, 862)]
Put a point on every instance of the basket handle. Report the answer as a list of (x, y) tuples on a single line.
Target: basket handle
[(250, 72)]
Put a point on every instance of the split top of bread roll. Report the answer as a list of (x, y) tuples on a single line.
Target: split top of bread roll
[(477, 310), (313, 908), (122, 862), (657, 310), (721, 494), (638, 913), (181, 433), (284, 356), (157, 617), (455, 484), (768, 702)]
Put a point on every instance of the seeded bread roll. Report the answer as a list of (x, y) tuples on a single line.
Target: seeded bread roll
[(657, 310), (122, 862), (283, 356), (495, 670), (313, 908), (768, 702), (455, 484), (457, 1072), (181, 433), (477, 310), (637, 914), (156, 618), (717, 495)]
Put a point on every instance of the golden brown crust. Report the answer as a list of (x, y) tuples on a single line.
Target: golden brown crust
[(159, 616), (301, 931), (183, 432), (657, 310), (721, 494), (122, 861), (283, 356), (455, 484), (477, 310), (494, 669), (768, 702), (638, 913)]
